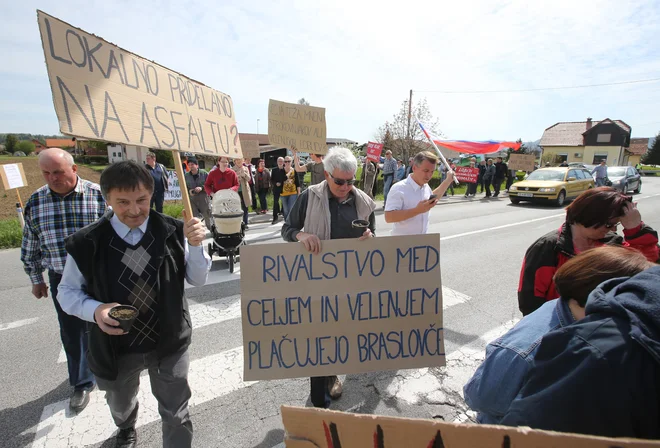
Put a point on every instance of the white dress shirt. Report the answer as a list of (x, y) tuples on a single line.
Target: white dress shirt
[(71, 293), (405, 195)]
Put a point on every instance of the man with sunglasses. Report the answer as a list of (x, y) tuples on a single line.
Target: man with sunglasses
[(326, 211), (411, 199)]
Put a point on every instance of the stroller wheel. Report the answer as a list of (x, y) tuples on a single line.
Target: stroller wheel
[(230, 260)]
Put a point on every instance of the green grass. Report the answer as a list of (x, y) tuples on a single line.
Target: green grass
[(98, 168), (11, 233)]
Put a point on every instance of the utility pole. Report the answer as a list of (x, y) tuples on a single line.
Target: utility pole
[(409, 116)]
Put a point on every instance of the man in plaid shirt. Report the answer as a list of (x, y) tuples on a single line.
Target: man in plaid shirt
[(66, 204)]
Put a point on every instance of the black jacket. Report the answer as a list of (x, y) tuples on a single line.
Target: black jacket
[(601, 375), (89, 249), (277, 176), (501, 170)]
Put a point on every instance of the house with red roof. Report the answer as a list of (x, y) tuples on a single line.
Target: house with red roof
[(589, 142)]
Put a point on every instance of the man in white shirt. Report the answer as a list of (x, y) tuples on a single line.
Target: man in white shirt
[(410, 200)]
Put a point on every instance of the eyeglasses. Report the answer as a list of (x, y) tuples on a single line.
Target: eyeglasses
[(342, 182)]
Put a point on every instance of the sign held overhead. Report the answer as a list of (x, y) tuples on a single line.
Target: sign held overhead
[(522, 162), (250, 149), (13, 176), (358, 306), (297, 125), (103, 92)]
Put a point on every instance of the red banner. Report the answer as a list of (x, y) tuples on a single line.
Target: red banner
[(467, 174), (373, 151)]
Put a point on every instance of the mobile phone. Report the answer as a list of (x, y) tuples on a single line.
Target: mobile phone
[(432, 197)]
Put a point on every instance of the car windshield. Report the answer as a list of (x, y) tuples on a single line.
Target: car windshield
[(547, 175), (616, 171)]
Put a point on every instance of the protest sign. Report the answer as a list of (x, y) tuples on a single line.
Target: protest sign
[(297, 125), (250, 149), (173, 192), (522, 162), (373, 151), (309, 428), (13, 176), (104, 92), (358, 306), (467, 174)]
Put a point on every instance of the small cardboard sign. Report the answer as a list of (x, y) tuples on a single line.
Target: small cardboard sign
[(358, 306), (374, 151), (13, 176), (467, 174), (250, 149), (296, 125), (522, 162), (104, 92), (310, 428), (173, 192)]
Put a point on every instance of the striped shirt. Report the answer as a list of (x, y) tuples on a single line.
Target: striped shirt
[(49, 219), (389, 166)]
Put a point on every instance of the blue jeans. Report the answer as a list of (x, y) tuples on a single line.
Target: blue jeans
[(73, 332), (387, 184), (157, 199), (600, 181), (287, 204)]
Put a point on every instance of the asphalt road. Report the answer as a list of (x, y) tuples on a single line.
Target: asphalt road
[(482, 245)]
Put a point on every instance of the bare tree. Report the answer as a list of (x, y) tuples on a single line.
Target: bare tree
[(303, 101), (394, 133)]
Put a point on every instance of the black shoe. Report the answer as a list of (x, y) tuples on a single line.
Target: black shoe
[(126, 438), (274, 220), (80, 399)]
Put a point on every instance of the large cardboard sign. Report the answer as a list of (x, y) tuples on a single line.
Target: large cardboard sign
[(358, 306), (173, 192), (13, 176), (313, 428), (374, 151), (250, 149), (104, 92), (522, 162), (467, 174), (296, 125)]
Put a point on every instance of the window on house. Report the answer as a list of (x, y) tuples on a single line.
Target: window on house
[(599, 158), (562, 157), (604, 138)]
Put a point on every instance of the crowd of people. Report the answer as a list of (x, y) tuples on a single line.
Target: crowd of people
[(585, 358)]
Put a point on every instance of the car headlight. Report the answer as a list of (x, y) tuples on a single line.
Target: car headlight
[(513, 188), (546, 190)]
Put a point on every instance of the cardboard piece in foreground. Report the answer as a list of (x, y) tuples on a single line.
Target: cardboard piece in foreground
[(313, 428), (104, 92), (358, 306), (296, 125), (522, 162)]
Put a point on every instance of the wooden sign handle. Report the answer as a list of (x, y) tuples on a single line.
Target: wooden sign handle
[(182, 184), (19, 198)]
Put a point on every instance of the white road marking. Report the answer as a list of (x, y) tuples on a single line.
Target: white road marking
[(210, 313), (490, 229), (210, 378), (18, 323)]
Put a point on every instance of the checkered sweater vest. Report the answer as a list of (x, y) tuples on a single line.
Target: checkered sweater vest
[(137, 285)]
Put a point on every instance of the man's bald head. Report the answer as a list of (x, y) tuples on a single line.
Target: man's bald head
[(59, 170), (51, 154)]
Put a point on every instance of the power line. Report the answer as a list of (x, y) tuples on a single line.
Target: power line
[(585, 86)]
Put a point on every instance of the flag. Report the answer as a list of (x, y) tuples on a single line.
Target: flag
[(470, 147)]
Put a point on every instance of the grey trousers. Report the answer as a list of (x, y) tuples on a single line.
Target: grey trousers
[(201, 205), (169, 384)]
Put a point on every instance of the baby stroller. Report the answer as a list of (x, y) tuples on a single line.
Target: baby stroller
[(228, 228)]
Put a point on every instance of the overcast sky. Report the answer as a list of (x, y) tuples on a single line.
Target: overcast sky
[(359, 59)]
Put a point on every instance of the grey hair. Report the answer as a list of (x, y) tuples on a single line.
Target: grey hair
[(340, 158), (65, 155)]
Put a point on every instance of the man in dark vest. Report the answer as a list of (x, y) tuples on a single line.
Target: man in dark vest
[(277, 178), (136, 256)]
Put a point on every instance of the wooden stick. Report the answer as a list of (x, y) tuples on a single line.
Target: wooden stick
[(182, 184), (19, 198)]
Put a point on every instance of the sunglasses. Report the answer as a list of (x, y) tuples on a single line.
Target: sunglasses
[(342, 182), (287, 161)]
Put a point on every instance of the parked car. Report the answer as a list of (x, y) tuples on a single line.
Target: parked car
[(554, 185), (625, 179)]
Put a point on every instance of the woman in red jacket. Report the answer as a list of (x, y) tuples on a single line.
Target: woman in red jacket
[(222, 178), (591, 221)]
